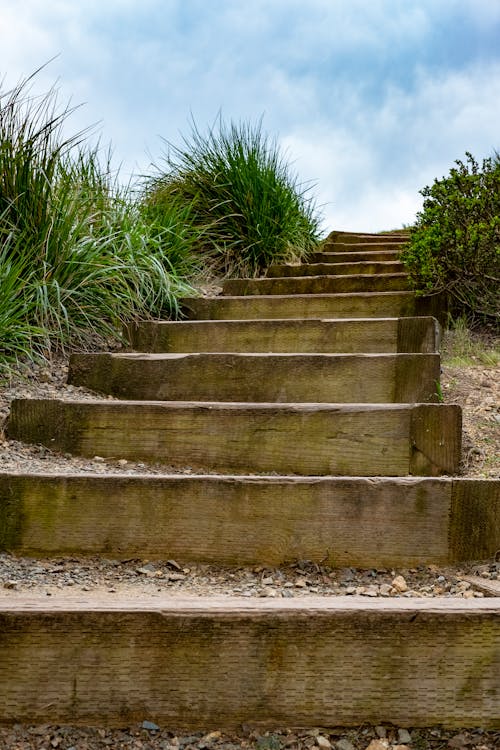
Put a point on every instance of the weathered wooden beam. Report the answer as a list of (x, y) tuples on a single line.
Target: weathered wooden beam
[(223, 661), (371, 335), (306, 378), (236, 520), (339, 439), (317, 284)]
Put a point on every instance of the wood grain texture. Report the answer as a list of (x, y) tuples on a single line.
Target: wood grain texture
[(354, 256), (354, 305), (229, 520), (308, 439), (475, 513), (280, 378), (334, 268), (436, 439), (223, 663), (365, 239), (317, 284), (350, 336)]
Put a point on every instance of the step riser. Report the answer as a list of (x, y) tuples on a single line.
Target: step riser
[(251, 521), (349, 440), (285, 378), (374, 256), (316, 285), (366, 305), (334, 269), (190, 668), (321, 336), (348, 238), (331, 246)]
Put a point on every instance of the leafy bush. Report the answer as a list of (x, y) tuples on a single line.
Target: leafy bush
[(78, 256), (455, 244), (245, 202)]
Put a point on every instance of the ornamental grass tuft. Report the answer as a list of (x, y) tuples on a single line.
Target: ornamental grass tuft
[(246, 203)]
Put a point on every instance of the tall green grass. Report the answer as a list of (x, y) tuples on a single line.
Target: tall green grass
[(78, 254), (245, 201)]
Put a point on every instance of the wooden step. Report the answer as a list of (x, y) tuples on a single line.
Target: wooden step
[(194, 663), (308, 439), (293, 306), (351, 238), (317, 284), (354, 256), (369, 335), (252, 520), (334, 269), (317, 378), (333, 246)]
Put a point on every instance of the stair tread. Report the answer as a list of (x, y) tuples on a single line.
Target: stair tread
[(295, 406), (223, 605)]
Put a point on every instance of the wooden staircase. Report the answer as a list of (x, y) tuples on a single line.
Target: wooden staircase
[(307, 405)]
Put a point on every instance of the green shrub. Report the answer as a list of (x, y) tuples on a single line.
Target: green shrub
[(455, 244), (248, 207)]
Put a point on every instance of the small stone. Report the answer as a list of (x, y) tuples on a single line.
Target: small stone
[(150, 725), (10, 584), (381, 732), (174, 564), (378, 745), (300, 583), (323, 742), (267, 581), (399, 583), (404, 737), (385, 590), (344, 744), (122, 462), (99, 459), (458, 741)]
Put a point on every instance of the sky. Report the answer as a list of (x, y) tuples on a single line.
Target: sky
[(370, 100)]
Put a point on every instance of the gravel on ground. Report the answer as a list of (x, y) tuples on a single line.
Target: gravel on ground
[(149, 736)]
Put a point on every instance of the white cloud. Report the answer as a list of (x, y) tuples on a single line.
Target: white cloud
[(142, 69)]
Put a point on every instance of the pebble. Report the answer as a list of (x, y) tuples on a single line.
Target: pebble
[(344, 744), (150, 725), (399, 583), (379, 744), (323, 742), (404, 737)]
